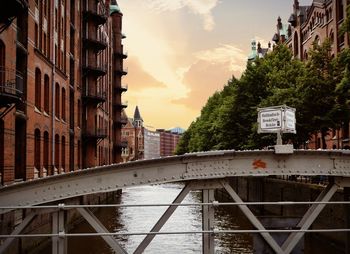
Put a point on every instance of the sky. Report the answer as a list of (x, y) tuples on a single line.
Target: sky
[(181, 51)]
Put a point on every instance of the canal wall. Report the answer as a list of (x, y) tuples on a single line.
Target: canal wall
[(43, 223), (255, 189)]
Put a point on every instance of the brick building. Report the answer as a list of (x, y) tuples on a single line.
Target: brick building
[(168, 141), (61, 66), (314, 23), (133, 138)]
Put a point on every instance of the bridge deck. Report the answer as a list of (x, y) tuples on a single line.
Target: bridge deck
[(201, 165)]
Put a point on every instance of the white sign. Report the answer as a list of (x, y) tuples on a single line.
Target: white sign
[(276, 119), (271, 120), (290, 119)]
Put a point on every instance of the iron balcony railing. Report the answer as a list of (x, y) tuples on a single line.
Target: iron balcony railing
[(122, 104), (95, 95), (96, 69), (98, 15), (97, 133), (11, 82), (95, 42)]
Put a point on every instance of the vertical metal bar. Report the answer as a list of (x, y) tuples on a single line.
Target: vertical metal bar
[(309, 217), (54, 219), (251, 217), (160, 223), (208, 222), (62, 240), (59, 245), (100, 228), (27, 220), (346, 219)]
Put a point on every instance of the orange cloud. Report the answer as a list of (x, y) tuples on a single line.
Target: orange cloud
[(203, 79), (138, 78)]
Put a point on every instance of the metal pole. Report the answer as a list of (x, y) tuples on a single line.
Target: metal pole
[(208, 222), (347, 219), (59, 243)]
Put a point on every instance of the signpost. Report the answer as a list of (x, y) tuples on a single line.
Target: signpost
[(277, 119)]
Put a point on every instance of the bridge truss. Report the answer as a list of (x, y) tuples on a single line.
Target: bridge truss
[(201, 171)]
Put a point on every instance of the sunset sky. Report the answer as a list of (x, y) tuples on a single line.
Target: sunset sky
[(181, 51)]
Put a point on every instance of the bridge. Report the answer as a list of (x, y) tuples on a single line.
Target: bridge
[(204, 171)]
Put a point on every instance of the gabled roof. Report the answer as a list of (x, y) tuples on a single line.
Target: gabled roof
[(137, 115)]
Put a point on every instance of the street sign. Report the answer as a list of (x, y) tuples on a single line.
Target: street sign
[(277, 119)]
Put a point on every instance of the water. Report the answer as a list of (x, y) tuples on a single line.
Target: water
[(142, 219)]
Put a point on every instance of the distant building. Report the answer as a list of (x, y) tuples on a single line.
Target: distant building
[(168, 142), (151, 144), (257, 51), (132, 138)]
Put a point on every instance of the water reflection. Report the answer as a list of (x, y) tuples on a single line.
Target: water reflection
[(142, 219)]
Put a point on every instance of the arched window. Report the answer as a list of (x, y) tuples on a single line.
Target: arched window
[(57, 151), (46, 94), (57, 101), (340, 9), (317, 40), (296, 44), (63, 97), (331, 37), (2, 64), (305, 55), (37, 149), (63, 152), (46, 150), (37, 88)]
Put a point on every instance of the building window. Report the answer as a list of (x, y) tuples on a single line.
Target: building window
[(63, 96), (340, 6), (57, 151), (46, 150), (46, 94), (296, 45), (37, 149), (63, 152), (37, 88), (57, 101), (79, 151)]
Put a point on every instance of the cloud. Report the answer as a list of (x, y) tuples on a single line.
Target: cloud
[(210, 72), (138, 78), (202, 8), (234, 57)]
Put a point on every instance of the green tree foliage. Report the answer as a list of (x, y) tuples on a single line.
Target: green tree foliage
[(318, 89)]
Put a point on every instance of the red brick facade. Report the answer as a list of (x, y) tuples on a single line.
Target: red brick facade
[(321, 20), (168, 142), (68, 55)]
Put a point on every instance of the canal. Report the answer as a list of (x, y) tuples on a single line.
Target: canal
[(142, 219), (185, 218)]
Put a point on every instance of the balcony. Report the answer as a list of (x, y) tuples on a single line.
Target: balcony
[(95, 133), (121, 72), (97, 44), (95, 97), (11, 86), (11, 9), (122, 88), (121, 145), (121, 121), (99, 18), (96, 70), (123, 54), (121, 105)]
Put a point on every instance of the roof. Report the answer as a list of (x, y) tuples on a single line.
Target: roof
[(114, 7), (137, 115)]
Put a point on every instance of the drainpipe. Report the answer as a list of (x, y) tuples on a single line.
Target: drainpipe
[(53, 82)]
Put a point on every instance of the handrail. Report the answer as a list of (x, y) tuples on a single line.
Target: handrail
[(11, 81)]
